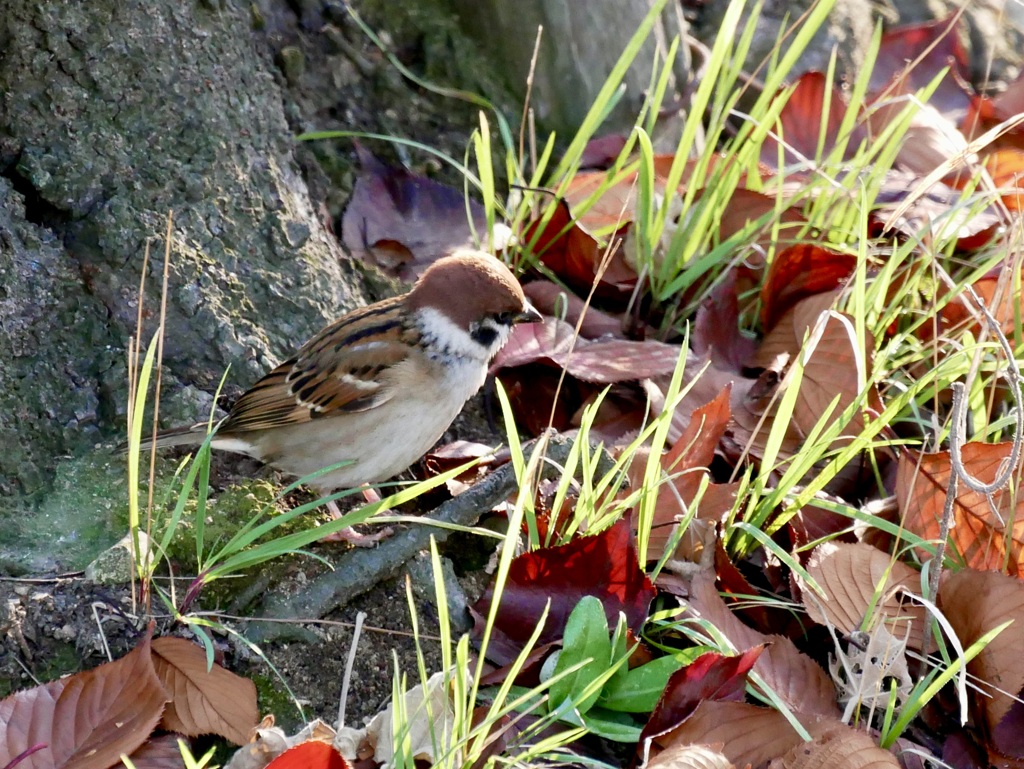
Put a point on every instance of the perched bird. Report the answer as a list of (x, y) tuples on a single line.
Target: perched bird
[(380, 385)]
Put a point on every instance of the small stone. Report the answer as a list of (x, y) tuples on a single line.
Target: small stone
[(114, 566)]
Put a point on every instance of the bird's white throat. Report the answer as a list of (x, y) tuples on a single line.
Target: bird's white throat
[(447, 338)]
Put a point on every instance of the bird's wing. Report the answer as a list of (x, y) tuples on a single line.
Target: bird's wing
[(343, 369)]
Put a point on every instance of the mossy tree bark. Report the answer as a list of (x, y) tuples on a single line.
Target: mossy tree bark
[(112, 114)]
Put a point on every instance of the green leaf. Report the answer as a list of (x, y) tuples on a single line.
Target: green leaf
[(587, 647), (618, 727), (639, 690)]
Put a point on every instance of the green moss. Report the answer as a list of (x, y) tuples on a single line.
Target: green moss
[(85, 514), (61, 659), (274, 698)]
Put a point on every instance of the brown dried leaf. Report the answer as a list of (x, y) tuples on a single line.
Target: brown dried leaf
[(986, 536), (86, 720), (850, 575), (799, 681), (601, 361), (158, 753), (549, 298), (976, 602), (749, 735), (833, 365), (837, 749), (691, 757), (403, 222), (214, 701)]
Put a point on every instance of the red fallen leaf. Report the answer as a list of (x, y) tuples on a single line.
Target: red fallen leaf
[(604, 565), (940, 46), (716, 329), (203, 701), (800, 122), (686, 465), (541, 397), (799, 272), (403, 222), (573, 241), (987, 112), (565, 247), (711, 676), (747, 206), (989, 536), (310, 755), (87, 720)]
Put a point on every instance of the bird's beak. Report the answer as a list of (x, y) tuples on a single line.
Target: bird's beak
[(528, 315)]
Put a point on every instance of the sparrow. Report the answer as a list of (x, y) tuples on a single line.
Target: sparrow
[(380, 385)]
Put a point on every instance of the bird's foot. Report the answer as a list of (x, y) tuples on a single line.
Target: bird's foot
[(350, 535)]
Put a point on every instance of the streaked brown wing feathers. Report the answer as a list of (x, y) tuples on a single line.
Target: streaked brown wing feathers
[(341, 370)]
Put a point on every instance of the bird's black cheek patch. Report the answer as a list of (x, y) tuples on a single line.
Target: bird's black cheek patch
[(484, 335)]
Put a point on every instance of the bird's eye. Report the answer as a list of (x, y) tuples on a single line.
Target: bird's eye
[(504, 318)]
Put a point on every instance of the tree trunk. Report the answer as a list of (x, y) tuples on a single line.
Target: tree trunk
[(114, 113)]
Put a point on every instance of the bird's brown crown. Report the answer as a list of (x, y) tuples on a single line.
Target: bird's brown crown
[(468, 286)]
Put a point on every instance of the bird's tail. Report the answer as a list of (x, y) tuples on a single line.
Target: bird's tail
[(191, 435)]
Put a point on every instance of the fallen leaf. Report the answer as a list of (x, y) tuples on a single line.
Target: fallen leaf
[(937, 43), (800, 682), (427, 721), (403, 222), (310, 755), (716, 334), (837, 749), (976, 602), (996, 290), (691, 757), (859, 579), (749, 735), (158, 753), (987, 534), (87, 720), (601, 361), (797, 273), (569, 250), (711, 676), (686, 465), (799, 124), (604, 565), (203, 701), (549, 298)]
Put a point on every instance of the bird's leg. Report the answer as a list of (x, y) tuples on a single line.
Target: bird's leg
[(350, 535)]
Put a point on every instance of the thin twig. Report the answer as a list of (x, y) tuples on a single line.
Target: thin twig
[(349, 664), (958, 436)]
